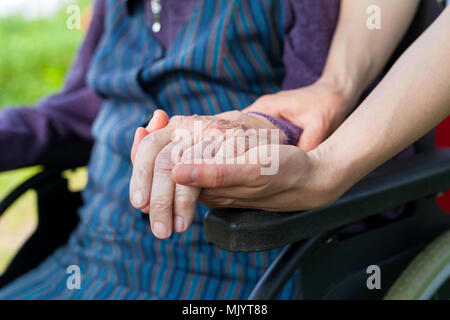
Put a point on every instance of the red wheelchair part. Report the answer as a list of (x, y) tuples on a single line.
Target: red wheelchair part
[(442, 139)]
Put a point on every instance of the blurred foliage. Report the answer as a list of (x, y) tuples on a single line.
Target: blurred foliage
[(34, 59), (19, 220)]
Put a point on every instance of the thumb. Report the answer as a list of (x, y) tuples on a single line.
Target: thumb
[(265, 105), (310, 138), (158, 121), (214, 175)]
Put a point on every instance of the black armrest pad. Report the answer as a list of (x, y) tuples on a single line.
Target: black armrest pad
[(69, 156), (391, 185)]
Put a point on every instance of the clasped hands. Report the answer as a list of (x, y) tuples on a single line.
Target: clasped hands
[(164, 144), (167, 181)]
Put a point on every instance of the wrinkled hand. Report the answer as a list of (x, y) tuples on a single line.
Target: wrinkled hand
[(319, 109), (154, 154)]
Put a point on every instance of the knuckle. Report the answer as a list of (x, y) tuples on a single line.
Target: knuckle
[(194, 117), (162, 170), (218, 176), (163, 163), (176, 119), (141, 172), (184, 203), (150, 139), (160, 206), (265, 99), (262, 188), (214, 124), (319, 124), (188, 155)]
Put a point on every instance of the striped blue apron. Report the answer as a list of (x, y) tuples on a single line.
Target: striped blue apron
[(225, 56)]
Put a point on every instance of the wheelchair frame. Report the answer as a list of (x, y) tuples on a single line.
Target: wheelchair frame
[(331, 266)]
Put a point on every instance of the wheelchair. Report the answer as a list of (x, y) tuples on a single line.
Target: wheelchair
[(411, 252)]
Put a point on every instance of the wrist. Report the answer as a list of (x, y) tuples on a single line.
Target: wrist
[(327, 175), (343, 87)]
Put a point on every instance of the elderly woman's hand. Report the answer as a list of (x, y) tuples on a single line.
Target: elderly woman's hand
[(188, 138)]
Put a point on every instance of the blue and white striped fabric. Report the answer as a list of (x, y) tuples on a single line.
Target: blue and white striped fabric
[(224, 57)]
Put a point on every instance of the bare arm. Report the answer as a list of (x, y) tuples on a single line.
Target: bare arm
[(357, 55), (412, 99)]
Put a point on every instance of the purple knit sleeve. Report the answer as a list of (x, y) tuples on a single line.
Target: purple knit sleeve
[(290, 130), (26, 133)]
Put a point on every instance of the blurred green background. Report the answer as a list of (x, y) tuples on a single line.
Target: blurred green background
[(34, 59)]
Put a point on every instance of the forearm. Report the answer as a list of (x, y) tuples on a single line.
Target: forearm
[(357, 54), (409, 101), (412, 99)]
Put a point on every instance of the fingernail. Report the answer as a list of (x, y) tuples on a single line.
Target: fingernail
[(179, 224), (159, 230), (152, 120), (138, 199)]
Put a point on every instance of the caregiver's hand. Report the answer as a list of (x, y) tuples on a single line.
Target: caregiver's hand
[(151, 188), (319, 109), (366, 139), (302, 182)]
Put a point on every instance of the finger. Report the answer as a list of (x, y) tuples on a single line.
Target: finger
[(147, 209), (227, 150), (311, 138), (141, 179), (159, 120), (235, 146), (162, 193), (248, 170), (215, 175), (140, 134), (186, 196), (184, 206), (202, 152)]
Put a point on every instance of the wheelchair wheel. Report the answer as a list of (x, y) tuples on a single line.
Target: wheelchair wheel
[(427, 276)]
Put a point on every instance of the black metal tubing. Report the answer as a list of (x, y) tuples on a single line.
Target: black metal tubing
[(69, 156), (34, 182), (55, 161), (394, 184), (53, 228), (283, 267)]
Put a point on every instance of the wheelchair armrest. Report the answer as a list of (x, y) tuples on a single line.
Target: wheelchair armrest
[(394, 184), (55, 161), (64, 157)]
